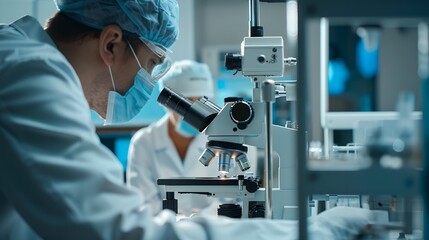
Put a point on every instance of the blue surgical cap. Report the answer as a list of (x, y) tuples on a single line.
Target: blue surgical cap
[(155, 21)]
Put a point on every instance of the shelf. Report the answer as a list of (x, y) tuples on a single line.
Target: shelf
[(351, 120), (404, 181)]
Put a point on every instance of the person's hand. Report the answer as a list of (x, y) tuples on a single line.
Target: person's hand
[(339, 223)]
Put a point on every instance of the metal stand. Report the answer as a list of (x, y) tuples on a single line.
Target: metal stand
[(268, 96)]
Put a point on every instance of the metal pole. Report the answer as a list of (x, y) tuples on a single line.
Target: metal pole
[(268, 96), (253, 15), (302, 111), (423, 68)]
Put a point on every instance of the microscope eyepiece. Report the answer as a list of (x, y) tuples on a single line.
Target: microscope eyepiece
[(198, 114), (174, 101)]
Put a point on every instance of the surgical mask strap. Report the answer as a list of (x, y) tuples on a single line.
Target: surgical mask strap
[(111, 77), (135, 55)]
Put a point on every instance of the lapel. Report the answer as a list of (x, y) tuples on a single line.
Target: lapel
[(165, 150)]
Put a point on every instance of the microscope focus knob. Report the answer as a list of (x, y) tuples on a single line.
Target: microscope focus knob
[(261, 59), (241, 112)]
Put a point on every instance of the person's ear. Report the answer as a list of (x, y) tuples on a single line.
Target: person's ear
[(110, 42)]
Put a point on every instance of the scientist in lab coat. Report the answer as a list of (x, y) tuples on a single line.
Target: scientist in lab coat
[(170, 147), (57, 181)]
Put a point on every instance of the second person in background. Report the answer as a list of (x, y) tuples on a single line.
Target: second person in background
[(170, 147)]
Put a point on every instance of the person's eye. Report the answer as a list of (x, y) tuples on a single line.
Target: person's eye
[(153, 62)]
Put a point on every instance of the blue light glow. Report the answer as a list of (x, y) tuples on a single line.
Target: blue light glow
[(338, 75), (366, 60)]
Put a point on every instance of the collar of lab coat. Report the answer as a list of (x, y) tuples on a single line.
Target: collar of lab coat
[(30, 27)]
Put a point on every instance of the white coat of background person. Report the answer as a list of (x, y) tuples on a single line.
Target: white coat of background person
[(170, 147), (57, 181)]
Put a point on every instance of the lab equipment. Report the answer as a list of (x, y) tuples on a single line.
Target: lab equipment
[(239, 123), (199, 114), (227, 132), (152, 21)]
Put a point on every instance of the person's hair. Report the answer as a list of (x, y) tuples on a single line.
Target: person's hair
[(65, 29)]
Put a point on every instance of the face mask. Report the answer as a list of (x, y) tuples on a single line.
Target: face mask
[(124, 108), (185, 129)]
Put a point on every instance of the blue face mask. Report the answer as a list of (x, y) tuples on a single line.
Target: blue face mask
[(185, 129), (124, 108)]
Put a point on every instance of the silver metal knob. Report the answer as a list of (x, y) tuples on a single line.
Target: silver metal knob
[(243, 162), (206, 157)]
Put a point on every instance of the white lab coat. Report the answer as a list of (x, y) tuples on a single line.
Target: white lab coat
[(152, 155), (57, 181)]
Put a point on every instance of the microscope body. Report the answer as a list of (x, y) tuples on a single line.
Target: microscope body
[(237, 124), (223, 128), (226, 134)]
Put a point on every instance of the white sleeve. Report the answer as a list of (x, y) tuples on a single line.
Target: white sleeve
[(335, 223), (141, 171), (66, 185)]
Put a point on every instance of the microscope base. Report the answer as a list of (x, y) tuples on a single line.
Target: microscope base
[(284, 201)]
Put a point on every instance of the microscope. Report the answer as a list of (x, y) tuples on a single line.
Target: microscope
[(238, 124)]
